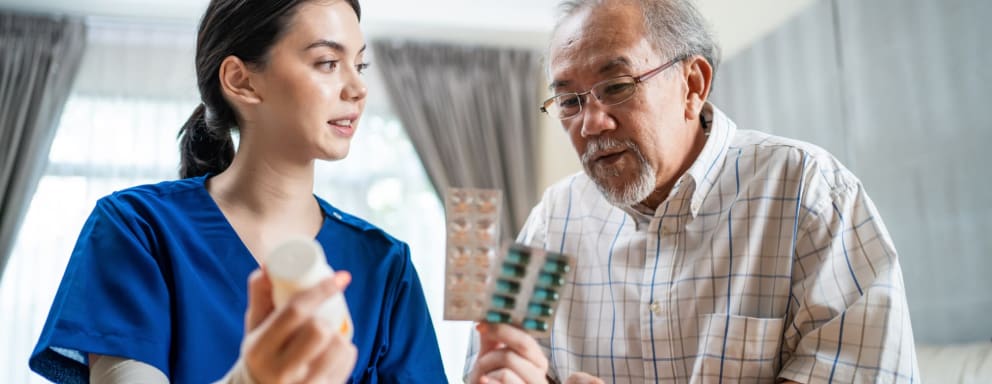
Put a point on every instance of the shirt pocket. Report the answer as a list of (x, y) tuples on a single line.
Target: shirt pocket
[(737, 349)]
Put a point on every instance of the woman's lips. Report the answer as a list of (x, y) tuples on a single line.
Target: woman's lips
[(343, 128)]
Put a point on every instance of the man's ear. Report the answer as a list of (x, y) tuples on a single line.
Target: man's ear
[(236, 82), (699, 79)]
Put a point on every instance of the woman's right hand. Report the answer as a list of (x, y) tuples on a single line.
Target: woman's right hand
[(292, 344)]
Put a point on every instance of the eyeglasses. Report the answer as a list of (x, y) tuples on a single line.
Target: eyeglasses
[(609, 92)]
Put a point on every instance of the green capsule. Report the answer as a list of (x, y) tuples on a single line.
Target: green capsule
[(555, 265), (497, 317), (549, 280), (535, 325), (507, 287), (512, 271), (517, 256), (538, 310), (545, 295), (503, 302)]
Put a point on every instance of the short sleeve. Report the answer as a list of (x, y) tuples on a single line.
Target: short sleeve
[(113, 299), (534, 232), (410, 353), (848, 316)]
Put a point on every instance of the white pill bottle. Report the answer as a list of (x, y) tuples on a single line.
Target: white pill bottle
[(298, 264)]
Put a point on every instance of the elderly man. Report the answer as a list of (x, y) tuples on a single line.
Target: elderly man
[(705, 252)]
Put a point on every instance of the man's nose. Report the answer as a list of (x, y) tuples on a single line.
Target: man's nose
[(595, 118)]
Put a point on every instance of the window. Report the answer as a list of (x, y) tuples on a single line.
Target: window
[(115, 133)]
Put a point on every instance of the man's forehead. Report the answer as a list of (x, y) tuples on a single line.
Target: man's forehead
[(593, 62), (564, 74), (595, 48)]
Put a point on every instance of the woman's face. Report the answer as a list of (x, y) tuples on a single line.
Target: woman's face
[(311, 89)]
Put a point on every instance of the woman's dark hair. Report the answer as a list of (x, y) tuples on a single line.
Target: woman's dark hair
[(246, 29)]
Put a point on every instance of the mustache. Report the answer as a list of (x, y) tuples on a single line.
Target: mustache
[(606, 144)]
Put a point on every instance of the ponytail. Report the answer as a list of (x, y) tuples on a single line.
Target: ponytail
[(204, 148)]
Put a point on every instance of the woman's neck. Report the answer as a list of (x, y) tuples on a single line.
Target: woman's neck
[(264, 185)]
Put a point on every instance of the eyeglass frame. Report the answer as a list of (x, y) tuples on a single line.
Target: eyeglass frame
[(637, 80)]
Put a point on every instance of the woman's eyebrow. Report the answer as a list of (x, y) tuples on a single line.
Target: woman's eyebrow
[(323, 43), (326, 44)]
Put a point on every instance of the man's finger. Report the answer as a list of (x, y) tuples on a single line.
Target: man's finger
[(503, 376), (490, 364), (583, 378), (486, 342), (516, 340)]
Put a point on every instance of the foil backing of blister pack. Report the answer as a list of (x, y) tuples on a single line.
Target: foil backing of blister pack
[(473, 241)]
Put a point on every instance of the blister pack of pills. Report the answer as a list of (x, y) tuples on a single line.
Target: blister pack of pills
[(472, 218), (527, 284), (512, 284)]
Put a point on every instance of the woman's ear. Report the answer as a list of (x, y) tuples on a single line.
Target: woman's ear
[(236, 82), (699, 79)]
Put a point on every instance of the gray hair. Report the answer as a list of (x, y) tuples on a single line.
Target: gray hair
[(675, 27)]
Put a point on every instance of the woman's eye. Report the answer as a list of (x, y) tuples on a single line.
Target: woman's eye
[(362, 67), (328, 65)]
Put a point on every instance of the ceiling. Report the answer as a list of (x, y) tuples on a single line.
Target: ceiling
[(504, 22)]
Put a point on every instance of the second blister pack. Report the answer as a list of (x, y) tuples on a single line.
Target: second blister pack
[(472, 244)]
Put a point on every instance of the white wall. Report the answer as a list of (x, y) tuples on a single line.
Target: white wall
[(738, 24), (515, 22), (897, 90)]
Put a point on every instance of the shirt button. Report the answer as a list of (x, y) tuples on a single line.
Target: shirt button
[(656, 308), (695, 206)]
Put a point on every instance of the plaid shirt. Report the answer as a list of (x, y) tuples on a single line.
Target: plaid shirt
[(768, 260)]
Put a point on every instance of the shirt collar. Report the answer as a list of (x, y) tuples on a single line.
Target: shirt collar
[(701, 175), (704, 171)]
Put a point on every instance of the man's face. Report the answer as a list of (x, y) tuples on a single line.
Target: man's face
[(632, 148)]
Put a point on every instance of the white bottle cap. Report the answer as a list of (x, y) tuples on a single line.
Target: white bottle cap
[(294, 265)]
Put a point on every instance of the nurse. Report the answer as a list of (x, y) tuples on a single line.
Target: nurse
[(164, 282)]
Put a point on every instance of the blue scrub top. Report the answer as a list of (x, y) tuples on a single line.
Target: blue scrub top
[(158, 275)]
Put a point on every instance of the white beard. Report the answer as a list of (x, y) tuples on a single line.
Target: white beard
[(624, 195)]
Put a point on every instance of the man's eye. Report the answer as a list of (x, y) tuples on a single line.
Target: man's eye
[(568, 102), (618, 88)]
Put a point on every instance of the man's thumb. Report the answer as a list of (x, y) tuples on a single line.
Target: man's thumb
[(583, 378)]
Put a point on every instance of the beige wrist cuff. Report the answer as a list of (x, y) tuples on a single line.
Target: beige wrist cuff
[(237, 375)]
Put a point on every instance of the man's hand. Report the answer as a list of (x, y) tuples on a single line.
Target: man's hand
[(583, 378), (508, 355)]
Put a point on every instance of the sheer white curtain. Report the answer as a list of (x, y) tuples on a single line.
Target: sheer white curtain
[(135, 88)]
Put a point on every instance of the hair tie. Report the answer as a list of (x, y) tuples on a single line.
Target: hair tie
[(209, 116)]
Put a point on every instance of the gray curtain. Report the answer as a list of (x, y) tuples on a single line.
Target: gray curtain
[(898, 90), (39, 57), (471, 114)]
